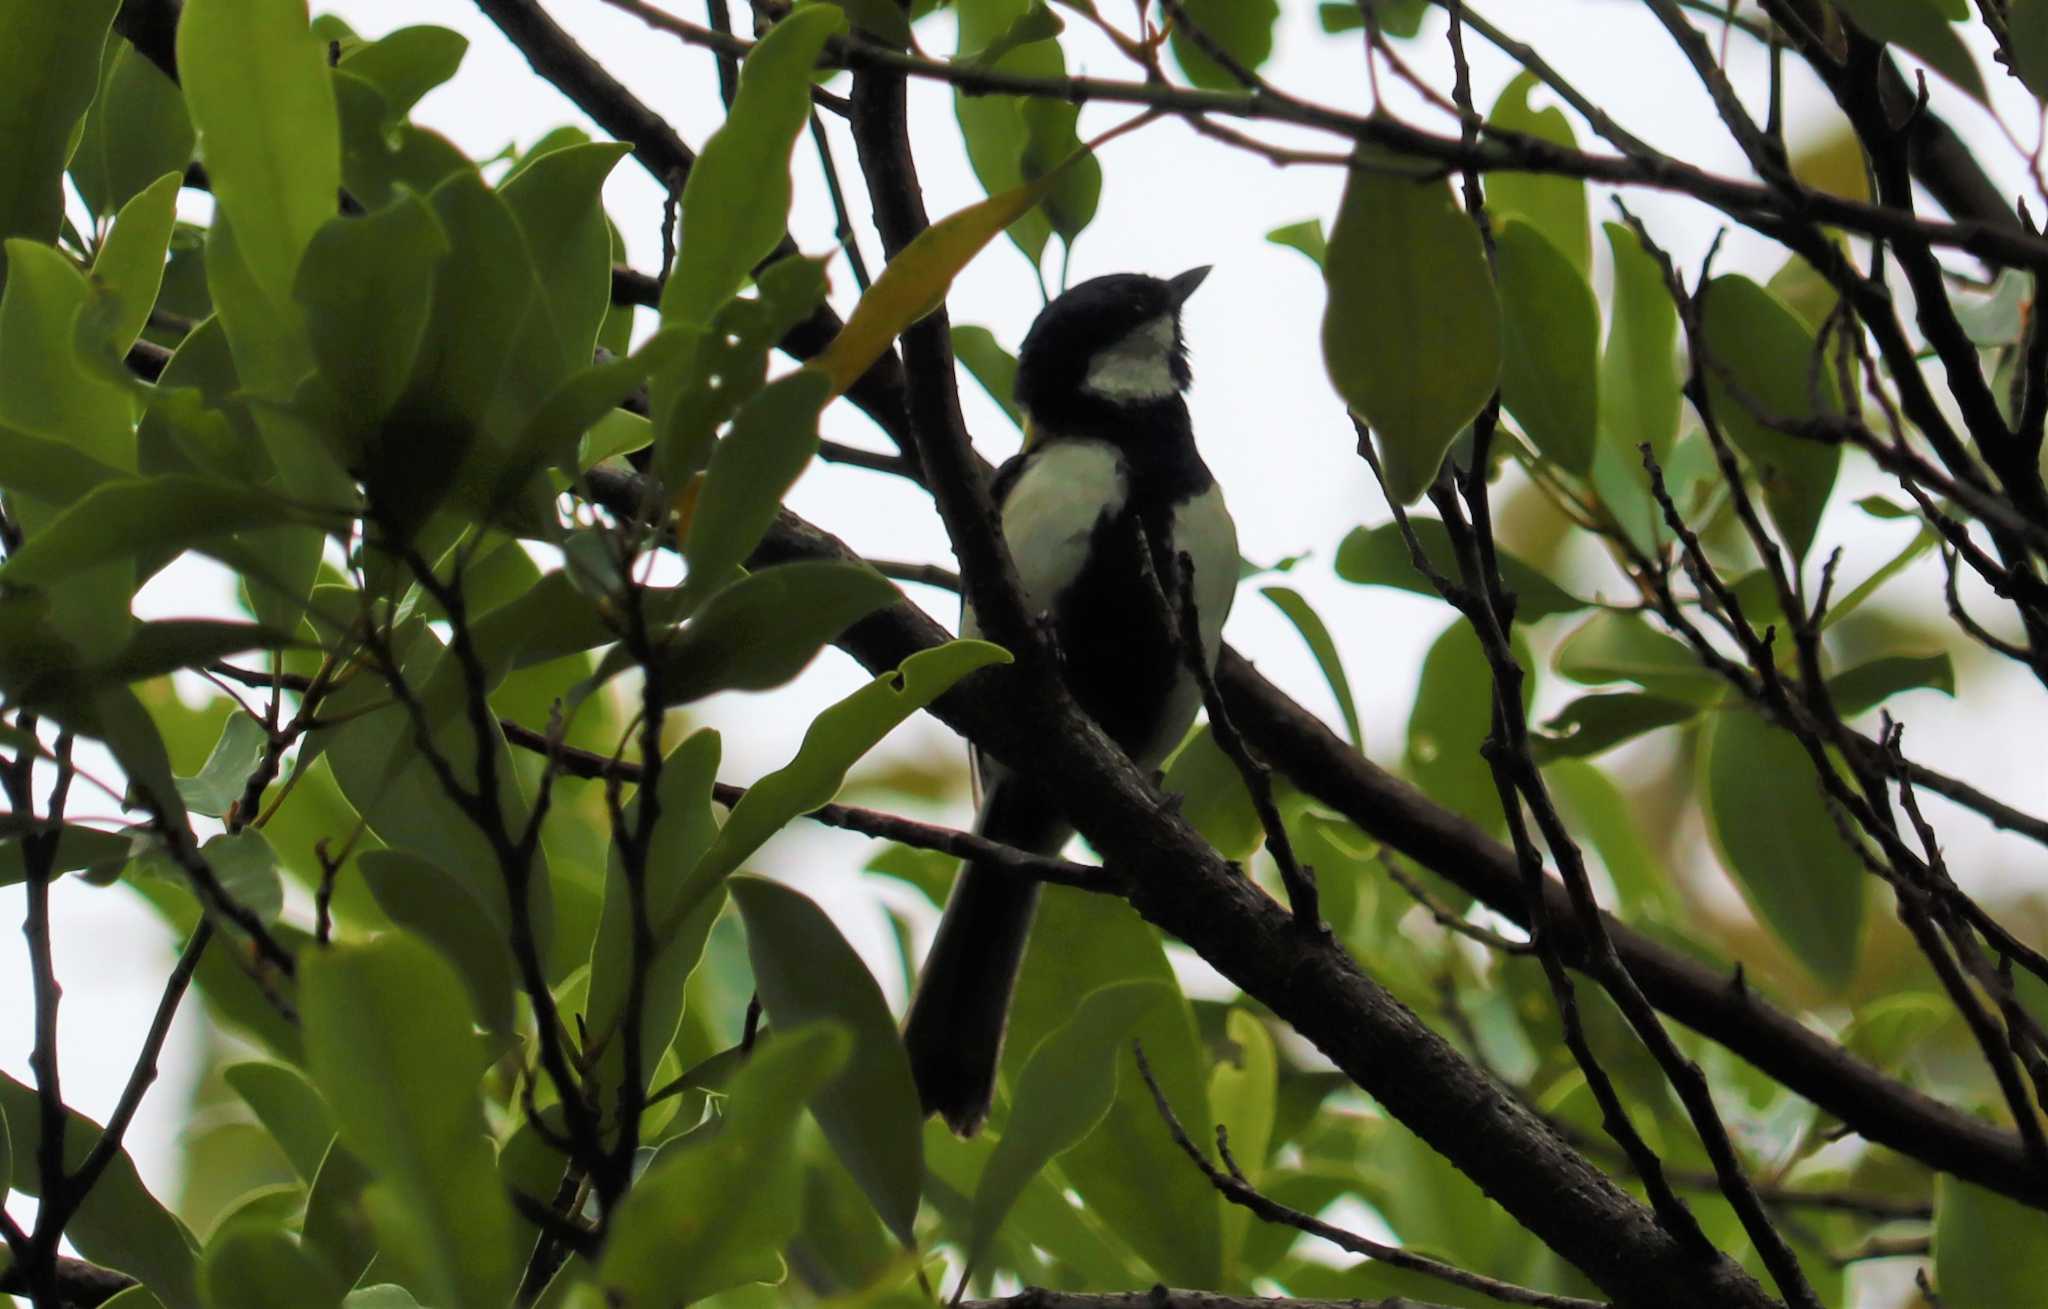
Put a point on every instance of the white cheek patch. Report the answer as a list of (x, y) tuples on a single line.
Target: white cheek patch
[(1137, 368)]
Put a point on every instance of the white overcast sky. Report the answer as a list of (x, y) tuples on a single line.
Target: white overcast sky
[(1265, 416)]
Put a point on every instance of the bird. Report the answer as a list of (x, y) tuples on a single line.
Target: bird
[(1109, 468)]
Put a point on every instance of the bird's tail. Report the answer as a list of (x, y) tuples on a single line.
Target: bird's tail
[(954, 1031)]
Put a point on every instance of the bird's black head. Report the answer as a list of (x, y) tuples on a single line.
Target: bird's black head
[(1110, 344)]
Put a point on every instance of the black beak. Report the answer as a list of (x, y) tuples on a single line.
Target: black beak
[(1181, 287)]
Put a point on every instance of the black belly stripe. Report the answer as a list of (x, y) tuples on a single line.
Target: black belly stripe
[(1122, 660)]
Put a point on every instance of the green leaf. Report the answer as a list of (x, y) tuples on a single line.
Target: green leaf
[(1320, 644), (836, 739), (129, 269), (1593, 723), (1242, 1093), (119, 1224), (1213, 797), (2026, 26), (220, 781), (367, 286), (1987, 1251), (337, 1223), (1617, 647), (1770, 354), (1305, 236), (1452, 717), (289, 1108), (246, 867), (1639, 383), (136, 131), (254, 1264), (764, 629), (1038, 23), (391, 1043), (45, 389), (483, 292), (771, 443), (470, 931), (684, 828), (1412, 332), (407, 63), (870, 1113), (1868, 685), (736, 202), (78, 848), (558, 203), (256, 83), (1777, 838), (713, 1214), (1378, 556), (1127, 1171), (1244, 28), (1924, 28), (885, 20), (1550, 334), (136, 516), (1605, 818), (6, 1156), (49, 69), (1062, 1094), (1554, 206), (1011, 142), (992, 366)]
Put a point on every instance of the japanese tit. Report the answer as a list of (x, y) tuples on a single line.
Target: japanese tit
[(1109, 467)]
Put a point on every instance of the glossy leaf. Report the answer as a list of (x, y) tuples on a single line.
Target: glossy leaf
[(1412, 333), (1550, 336), (136, 131), (367, 286), (772, 440), (256, 83), (917, 279), (391, 1044), (119, 1224), (1017, 146), (1127, 1171), (1378, 556), (1244, 28), (1922, 28), (120, 520), (1452, 716), (129, 269), (470, 931), (220, 781), (1778, 840), (1769, 353), (1639, 383), (407, 63), (736, 201), (1593, 723), (1242, 1091), (870, 1113), (289, 1108), (1063, 1092), (764, 629), (1868, 685), (684, 828), (1213, 797), (1618, 647), (1555, 206), (836, 739), (2026, 26), (254, 1264), (49, 69), (1320, 644), (1305, 236), (1986, 1251), (992, 366), (715, 1213)]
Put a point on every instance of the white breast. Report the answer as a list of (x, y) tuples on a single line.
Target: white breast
[(1051, 513)]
